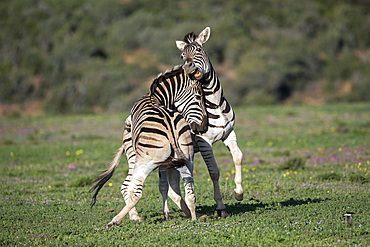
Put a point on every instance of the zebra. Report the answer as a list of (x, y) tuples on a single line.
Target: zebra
[(221, 117), (221, 120), (169, 184), (160, 136)]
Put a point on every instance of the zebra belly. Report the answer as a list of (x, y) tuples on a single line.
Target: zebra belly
[(219, 125)]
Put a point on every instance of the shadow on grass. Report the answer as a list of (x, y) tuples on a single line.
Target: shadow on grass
[(256, 205), (238, 208)]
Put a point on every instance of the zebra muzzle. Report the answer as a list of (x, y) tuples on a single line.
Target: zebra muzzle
[(191, 70), (199, 128), (198, 75)]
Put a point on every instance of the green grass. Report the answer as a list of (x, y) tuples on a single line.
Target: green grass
[(303, 167)]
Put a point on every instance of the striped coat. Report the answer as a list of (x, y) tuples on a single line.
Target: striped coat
[(160, 136)]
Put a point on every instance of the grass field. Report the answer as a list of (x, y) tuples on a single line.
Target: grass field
[(303, 168)]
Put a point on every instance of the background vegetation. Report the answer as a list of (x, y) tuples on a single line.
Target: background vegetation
[(83, 56), (303, 168)]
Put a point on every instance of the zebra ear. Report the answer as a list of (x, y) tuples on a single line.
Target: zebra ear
[(180, 44), (203, 36)]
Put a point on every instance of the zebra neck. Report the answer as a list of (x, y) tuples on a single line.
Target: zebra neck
[(158, 99), (212, 89)]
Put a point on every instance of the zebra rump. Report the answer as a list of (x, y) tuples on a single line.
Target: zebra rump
[(170, 163)]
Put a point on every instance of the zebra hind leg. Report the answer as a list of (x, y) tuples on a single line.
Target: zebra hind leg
[(131, 157), (207, 154), (187, 176), (169, 185), (134, 215), (175, 194), (132, 191), (174, 191), (163, 189)]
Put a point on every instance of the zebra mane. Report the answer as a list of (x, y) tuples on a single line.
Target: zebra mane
[(190, 37), (163, 76)]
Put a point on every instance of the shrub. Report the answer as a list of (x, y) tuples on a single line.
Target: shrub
[(272, 54)]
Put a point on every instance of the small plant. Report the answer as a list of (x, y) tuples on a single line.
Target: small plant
[(277, 186), (81, 182), (8, 141), (294, 163), (330, 176), (280, 153), (358, 178), (33, 139)]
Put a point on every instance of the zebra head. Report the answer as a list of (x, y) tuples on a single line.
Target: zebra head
[(191, 105), (196, 61), (175, 90)]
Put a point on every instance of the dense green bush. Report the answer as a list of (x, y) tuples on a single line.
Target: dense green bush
[(76, 56)]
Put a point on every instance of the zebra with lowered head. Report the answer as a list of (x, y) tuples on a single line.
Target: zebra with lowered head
[(160, 136)]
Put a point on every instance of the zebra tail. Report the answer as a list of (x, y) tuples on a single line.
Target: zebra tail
[(106, 175)]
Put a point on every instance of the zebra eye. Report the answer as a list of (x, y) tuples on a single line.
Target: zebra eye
[(199, 49)]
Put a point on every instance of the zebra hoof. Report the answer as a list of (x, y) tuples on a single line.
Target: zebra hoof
[(222, 213), (137, 218), (110, 224), (166, 219), (238, 197)]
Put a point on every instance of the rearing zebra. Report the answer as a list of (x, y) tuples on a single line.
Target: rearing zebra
[(221, 118), (160, 135)]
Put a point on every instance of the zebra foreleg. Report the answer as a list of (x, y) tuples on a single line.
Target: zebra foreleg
[(232, 145)]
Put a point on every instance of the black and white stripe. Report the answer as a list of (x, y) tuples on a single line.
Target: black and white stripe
[(156, 134), (221, 120)]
